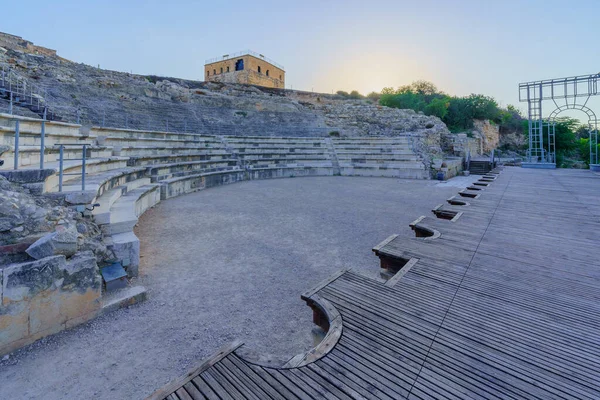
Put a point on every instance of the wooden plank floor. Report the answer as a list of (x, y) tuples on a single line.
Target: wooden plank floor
[(504, 304)]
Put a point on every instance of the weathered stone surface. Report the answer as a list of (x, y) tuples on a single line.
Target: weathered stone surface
[(489, 134), (27, 175), (23, 281), (63, 241), (43, 247)]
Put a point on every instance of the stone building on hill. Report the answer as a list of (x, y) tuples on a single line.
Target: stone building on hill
[(245, 67)]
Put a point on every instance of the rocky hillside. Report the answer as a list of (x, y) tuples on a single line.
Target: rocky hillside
[(149, 102)]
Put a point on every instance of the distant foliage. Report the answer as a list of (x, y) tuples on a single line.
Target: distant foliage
[(457, 113), (354, 95)]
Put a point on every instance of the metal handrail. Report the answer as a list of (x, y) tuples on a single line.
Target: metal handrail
[(61, 163)]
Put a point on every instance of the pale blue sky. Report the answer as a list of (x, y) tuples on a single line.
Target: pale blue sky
[(463, 46)]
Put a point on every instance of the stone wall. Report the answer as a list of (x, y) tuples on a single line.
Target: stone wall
[(224, 71), (42, 297)]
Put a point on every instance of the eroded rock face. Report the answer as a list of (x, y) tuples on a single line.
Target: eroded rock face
[(489, 133), (35, 227)]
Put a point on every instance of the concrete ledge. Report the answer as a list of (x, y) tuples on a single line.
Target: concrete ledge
[(538, 165)]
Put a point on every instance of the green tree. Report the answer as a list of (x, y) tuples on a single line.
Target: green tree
[(438, 107)]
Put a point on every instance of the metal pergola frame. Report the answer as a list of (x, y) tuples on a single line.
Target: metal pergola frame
[(571, 93)]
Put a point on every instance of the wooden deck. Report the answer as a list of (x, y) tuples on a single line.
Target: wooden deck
[(503, 303)]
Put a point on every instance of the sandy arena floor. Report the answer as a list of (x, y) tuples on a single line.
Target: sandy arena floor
[(225, 263)]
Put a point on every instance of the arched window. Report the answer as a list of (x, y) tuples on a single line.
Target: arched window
[(214, 71), (207, 73), (221, 69), (259, 69), (228, 68), (279, 77), (267, 72)]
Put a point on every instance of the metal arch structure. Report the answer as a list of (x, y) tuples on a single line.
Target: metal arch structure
[(571, 93)]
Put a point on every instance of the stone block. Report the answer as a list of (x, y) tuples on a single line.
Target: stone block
[(61, 242), (126, 247), (23, 281), (80, 273)]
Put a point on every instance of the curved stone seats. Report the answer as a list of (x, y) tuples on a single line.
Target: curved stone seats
[(123, 216), (73, 167), (119, 142), (288, 171), (142, 134), (191, 183), (159, 172), (32, 137), (157, 159), (29, 156), (142, 151), (97, 184)]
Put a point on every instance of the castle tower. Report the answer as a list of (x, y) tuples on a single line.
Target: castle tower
[(245, 67)]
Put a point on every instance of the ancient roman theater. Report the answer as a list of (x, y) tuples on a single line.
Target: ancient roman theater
[(264, 243)]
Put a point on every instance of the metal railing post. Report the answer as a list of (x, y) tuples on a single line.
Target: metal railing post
[(10, 104), (83, 167), (43, 139), (16, 152), (60, 168)]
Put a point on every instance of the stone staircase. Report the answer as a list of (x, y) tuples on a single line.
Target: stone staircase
[(378, 156)]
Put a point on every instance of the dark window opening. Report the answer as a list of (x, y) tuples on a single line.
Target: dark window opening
[(207, 73), (239, 65), (267, 72), (214, 71), (279, 77), (259, 69), (228, 69), (221, 69)]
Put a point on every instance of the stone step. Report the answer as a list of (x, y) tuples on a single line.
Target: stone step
[(287, 164), (141, 134), (72, 170), (29, 156), (118, 142), (34, 125), (192, 183), (122, 298), (290, 171), (284, 157), (377, 158), (102, 213), (126, 209), (405, 173), (97, 184), (291, 150), (29, 137), (166, 171), (277, 144), (176, 158), (144, 151)]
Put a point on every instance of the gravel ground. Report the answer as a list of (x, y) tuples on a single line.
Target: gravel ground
[(223, 264)]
